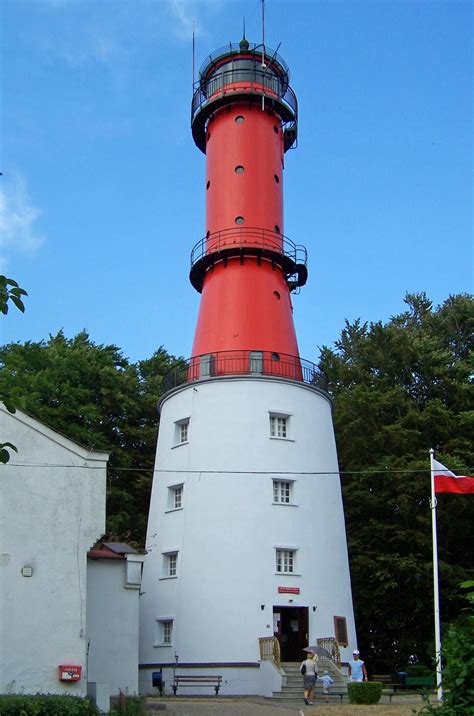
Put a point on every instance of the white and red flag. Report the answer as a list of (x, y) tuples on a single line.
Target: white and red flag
[(447, 481)]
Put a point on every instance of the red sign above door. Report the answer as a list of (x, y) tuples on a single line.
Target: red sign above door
[(288, 590)]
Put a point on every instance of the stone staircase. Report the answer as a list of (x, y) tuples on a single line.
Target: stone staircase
[(293, 690)]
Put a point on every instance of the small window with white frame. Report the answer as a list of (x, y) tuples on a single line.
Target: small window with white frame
[(283, 492), (286, 561), (170, 565), (175, 497), (181, 432), (279, 426), (164, 632)]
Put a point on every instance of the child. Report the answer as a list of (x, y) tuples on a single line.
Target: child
[(327, 681)]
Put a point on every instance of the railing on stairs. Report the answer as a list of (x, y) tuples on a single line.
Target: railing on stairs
[(270, 649), (330, 644)]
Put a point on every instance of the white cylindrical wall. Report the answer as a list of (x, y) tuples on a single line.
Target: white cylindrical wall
[(228, 528)]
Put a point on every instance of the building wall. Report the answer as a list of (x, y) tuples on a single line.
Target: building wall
[(112, 622), (52, 510), (228, 529)]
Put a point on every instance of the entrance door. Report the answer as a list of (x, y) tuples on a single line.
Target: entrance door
[(291, 628)]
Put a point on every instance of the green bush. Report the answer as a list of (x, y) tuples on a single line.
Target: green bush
[(419, 670), (45, 705), (364, 692)]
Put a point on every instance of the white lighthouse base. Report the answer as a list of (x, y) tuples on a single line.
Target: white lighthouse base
[(246, 535)]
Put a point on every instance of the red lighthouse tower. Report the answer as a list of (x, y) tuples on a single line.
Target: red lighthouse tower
[(244, 118), (246, 512)]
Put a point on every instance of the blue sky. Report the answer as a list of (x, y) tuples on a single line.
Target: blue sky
[(102, 194)]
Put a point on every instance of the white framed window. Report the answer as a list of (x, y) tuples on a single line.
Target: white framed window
[(286, 561), (170, 565), (181, 432), (283, 492), (164, 633), (175, 497), (279, 425)]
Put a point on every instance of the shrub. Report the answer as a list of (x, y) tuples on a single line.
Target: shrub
[(365, 692), (129, 706), (46, 705)]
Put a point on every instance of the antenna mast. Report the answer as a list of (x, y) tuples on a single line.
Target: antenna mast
[(194, 48)]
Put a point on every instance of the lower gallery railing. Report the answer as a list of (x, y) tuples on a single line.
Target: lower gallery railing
[(249, 362)]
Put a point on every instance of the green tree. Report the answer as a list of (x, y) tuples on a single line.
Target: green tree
[(93, 394), (400, 388), (10, 291)]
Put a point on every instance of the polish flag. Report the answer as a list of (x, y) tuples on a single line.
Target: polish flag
[(447, 481)]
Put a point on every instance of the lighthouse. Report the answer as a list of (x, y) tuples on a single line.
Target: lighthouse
[(246, 560)]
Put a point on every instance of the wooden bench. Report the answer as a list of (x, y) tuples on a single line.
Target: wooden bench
[(197, 680)]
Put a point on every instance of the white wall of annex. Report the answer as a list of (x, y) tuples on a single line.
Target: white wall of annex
[(52, 510), (112, 626)]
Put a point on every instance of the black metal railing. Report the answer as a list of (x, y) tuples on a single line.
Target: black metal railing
[(263, 239), (245, 362), (246, 80), (254, 50)]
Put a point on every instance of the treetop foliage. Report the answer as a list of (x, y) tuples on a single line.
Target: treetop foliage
[(399, 389)]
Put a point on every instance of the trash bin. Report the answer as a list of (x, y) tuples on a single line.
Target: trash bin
[(157, 681), (402, 678)]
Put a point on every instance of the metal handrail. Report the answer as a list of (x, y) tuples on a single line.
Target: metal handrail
[(234, 48), (255, 81), (253, 362), (249, 236), (331, 645), (270, 649)]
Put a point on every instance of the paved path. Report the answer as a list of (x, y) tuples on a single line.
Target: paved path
[(225, 707)]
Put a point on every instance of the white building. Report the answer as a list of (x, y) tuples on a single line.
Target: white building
[(52, 510), (114, 572)]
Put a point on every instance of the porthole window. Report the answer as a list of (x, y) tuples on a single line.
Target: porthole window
[(208, 234), (275, 129), (277, 295), (275, 356), (277, 228), (239, 169), (239, 119), (277, 178), (239, 219), (208, 185), (208, 136)]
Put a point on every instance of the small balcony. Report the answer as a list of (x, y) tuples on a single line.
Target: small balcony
[(254, 363)]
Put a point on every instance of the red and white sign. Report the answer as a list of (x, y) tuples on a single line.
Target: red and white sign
[(288, 590), (70, 672)]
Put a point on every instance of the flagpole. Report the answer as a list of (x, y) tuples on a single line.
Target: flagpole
[(439, 675)]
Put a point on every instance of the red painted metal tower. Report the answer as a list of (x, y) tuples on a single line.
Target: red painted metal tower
[(244, 118)]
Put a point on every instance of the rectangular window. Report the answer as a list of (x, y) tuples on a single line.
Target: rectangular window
[(278, 426), (181, 432), (178, 497), (170, 565), (175, 497), (282, 491), (340, 628), (164, 632), (285, 561), (256, 361), (167, 632)]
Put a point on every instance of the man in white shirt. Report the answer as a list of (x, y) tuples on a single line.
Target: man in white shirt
[(357, 670)]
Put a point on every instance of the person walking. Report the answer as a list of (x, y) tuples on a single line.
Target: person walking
[(327, 682), (310, 673), (357, 670)]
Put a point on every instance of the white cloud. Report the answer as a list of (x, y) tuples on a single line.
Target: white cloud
[(18, 217)]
